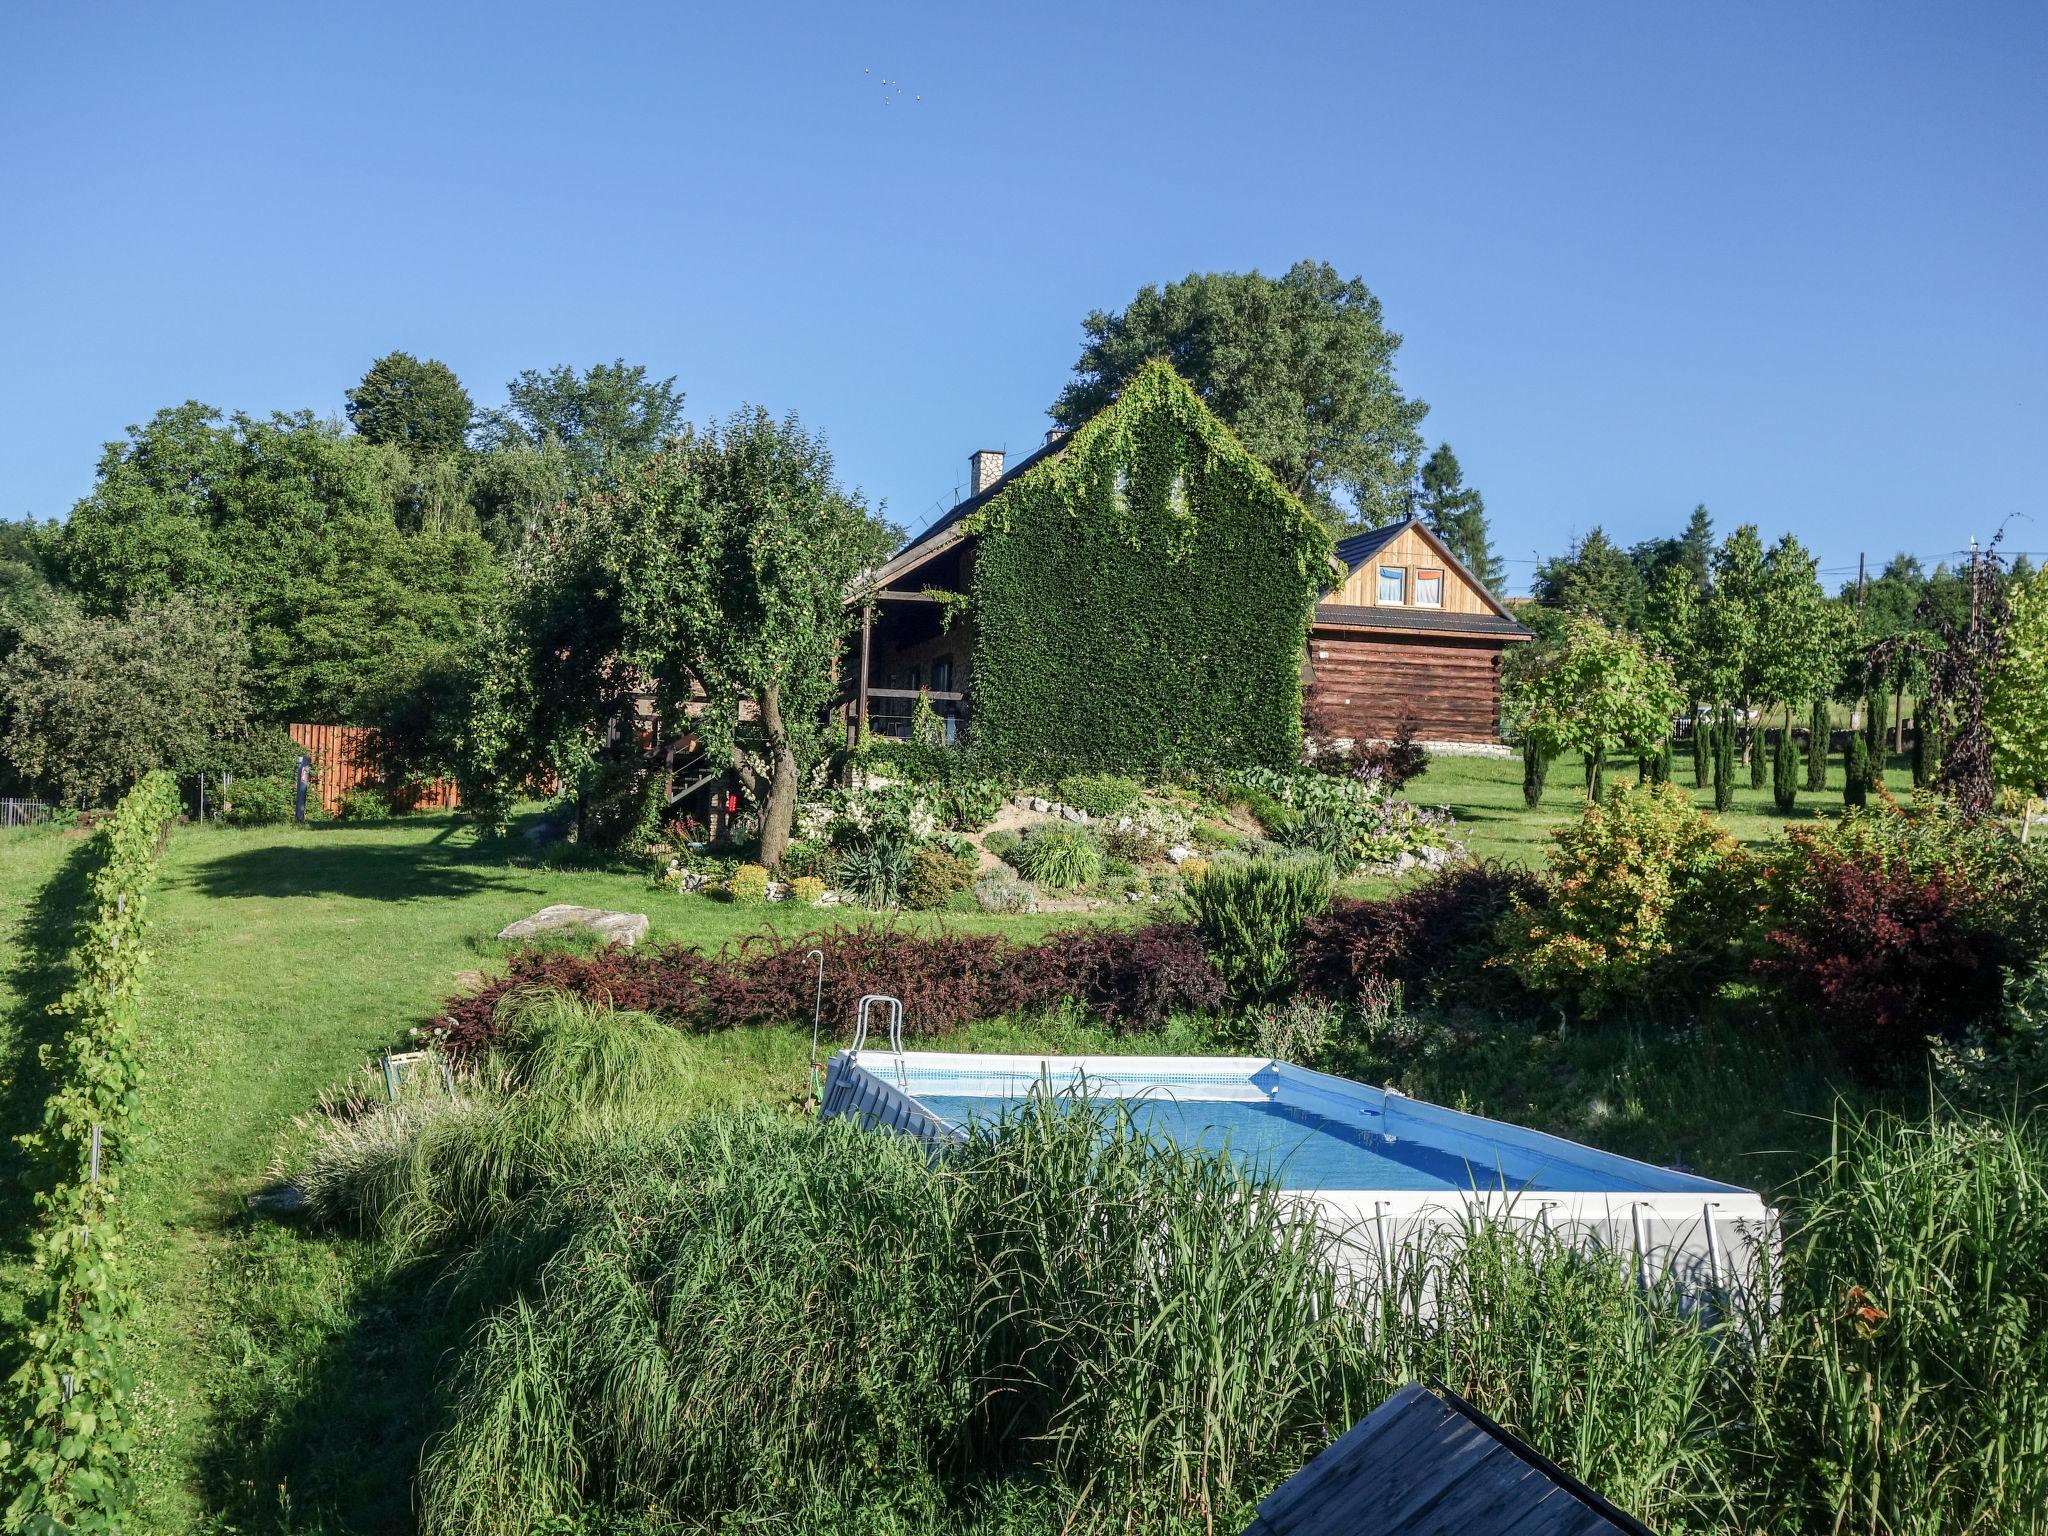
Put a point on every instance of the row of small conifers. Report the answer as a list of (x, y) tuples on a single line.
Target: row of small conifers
[(64, 1447)]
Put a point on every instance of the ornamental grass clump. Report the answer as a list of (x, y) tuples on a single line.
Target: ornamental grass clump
[(1907, 1387), (1058, 855), (1643, 894)]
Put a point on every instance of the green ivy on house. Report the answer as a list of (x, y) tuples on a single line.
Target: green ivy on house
[(1142, 598)]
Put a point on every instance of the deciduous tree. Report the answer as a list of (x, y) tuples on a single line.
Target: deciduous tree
[(604, 417), (2016, 708), (1590, 690), (1301, 367), (418, 406), (94, 703), (736, 563)]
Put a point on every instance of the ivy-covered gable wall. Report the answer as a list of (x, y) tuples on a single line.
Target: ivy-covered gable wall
[(1142, 599)]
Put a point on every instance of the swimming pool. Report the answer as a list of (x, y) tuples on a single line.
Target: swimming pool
[(1377, 1167)]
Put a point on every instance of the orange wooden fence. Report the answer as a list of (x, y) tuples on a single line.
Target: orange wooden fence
[(345, 756)]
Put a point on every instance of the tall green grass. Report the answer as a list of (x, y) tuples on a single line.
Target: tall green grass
[(746, 1320)]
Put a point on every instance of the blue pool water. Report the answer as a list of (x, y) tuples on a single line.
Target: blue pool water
[(1304, 1149)]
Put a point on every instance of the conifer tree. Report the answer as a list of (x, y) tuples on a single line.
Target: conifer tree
[(1535, 769), (1856, 772), (1819, 727), (1724, 765), (1702, 754), (1785, 774), (1875, 730)]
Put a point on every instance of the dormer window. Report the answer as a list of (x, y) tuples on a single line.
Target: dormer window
[(1393, 585), (1429, 588)]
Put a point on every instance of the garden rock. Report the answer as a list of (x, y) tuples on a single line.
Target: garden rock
[(627, 928), (1179, 853), (278, 1200)]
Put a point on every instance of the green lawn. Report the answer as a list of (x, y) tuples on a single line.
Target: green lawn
[(1486, 793), (287, 1383)]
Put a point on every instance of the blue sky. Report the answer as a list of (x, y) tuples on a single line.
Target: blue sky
[(1788, 261)]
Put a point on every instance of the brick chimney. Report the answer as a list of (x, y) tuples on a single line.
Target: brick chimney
[(984, 469)]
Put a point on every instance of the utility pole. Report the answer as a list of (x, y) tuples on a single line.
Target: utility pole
[(1859, 583)]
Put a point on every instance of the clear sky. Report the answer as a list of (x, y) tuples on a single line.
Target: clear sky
[(1786, 260)]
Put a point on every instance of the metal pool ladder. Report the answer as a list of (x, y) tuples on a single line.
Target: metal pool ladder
[(894, 1006)]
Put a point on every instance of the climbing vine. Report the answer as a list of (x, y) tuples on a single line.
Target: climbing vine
[(67, 1458), (1142, 599)]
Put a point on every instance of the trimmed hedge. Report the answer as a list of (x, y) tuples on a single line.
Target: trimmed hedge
[(1142, 598), (69, 1467), (1127, 978)]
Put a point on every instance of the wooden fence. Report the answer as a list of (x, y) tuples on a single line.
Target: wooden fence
[(345, 757)]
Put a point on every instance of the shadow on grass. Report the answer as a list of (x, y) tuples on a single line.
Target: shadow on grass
[(327, 1435), (40, 975), (360, 870)]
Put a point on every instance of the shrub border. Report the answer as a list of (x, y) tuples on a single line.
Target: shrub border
[(70, 1466)]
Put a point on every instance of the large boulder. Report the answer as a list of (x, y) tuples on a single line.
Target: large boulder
[(627, 928)]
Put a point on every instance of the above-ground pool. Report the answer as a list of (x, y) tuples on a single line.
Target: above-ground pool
[(1379, 1167)]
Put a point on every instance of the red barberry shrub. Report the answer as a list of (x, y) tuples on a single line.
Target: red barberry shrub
[(1127, 978), (1892, 925), (1439, 931)]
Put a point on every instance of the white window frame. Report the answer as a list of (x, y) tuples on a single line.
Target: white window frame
[(1431, 572), (1399, 573)]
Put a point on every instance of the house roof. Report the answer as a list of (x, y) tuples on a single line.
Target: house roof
[(1361, 547), (1428, 1463), (941, 532), (1431, 620)]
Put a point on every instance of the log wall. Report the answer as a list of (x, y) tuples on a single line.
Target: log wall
[(1360, 685)]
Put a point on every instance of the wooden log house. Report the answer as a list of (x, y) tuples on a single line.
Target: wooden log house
[(1404, 631)]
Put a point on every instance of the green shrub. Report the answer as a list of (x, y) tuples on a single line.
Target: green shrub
[(363, 803), (69, 1431), (1130, 844), (1296, 1030), (936, 873), (749, 883), (1002, 842), (968, 805), (1100, 794), (806, 890), (1000, 890), (260, 802), (1059, 855), (1758, 771), (1644, 893), (1351, 820), (810, 858), (1251, 914)]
